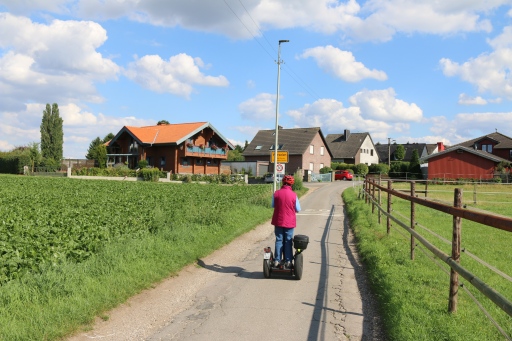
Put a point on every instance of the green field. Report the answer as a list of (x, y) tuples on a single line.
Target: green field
[(72, 249), (413, 294)]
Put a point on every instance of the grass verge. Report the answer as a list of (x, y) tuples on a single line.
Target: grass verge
[(413, 294)]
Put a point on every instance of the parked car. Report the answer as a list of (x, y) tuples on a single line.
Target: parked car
[(343, 175), (269, 177)]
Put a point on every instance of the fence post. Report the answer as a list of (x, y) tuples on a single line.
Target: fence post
[(373, 195), (413, 217), (474, 193), (366, 189), (388, 225), (454, 276), (426, 188), (379, 212)]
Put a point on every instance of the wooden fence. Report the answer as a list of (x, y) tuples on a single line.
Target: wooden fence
[(370, 187)]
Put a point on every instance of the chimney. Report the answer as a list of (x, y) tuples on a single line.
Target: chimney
[(346, 134), (440, 146)]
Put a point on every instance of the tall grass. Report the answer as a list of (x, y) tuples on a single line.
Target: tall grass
[(413, 294)]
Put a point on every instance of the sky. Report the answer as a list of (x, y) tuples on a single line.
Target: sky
[(402, 70)]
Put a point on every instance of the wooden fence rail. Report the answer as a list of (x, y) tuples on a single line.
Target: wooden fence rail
[(452, 260)]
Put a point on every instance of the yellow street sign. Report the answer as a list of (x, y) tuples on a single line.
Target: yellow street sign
[(282, 156)]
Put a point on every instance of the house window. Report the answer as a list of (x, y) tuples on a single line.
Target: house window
[(321, 165), (311, 149), (322, 150), (162, 161), (371, 152), (199, 162), (212, 162), (185, 162), (279, 147), (258, 147), (487, 148), (149, 159), (311, 166)]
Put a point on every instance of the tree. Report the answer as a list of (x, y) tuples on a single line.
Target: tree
[(236, 154), (414, 165), (108, 137), (35, 154), (101, 156), (92, 152), (399, 152), (52, 134), (161, 122), (93, 149)]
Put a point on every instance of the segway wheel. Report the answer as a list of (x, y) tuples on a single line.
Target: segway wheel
[(266, 268), (298, 266)]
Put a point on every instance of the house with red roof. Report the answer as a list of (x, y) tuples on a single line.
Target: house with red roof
[(184, 148)]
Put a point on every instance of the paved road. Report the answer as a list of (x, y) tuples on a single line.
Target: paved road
[(225, 296)]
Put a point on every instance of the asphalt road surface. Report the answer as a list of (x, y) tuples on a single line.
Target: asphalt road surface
[(226, 297)]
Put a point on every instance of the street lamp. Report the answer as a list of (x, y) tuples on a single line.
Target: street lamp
[(389, 152), (277, 110)]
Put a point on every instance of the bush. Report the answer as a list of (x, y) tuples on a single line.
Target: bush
[(361, 169), (150, 174), (298, 184), (380, 168), (143, 164), (325, 170)]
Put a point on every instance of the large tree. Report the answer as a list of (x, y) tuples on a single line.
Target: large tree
[(52, 134)]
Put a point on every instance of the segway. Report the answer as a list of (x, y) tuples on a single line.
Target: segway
[(300, 243)]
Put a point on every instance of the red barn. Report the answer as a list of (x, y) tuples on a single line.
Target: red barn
[(473, 159)]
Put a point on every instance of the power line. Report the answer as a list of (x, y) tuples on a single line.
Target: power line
[(288, 70)]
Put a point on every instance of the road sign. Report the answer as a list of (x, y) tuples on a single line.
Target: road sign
[(282, 156), (280, 168)]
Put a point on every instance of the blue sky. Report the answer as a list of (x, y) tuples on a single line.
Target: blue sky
[(414, 71)]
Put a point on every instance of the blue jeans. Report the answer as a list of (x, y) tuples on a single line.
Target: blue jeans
[(284, 236)]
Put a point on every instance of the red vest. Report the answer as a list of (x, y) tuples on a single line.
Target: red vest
[(284, 208)]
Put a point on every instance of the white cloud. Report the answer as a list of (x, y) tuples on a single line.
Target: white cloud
[(332, 117), (372, 20), (467, 100), (383, 105), (489, 72), (57, 61), (342, 64), (259, 108), (175, 76), (387, 17)]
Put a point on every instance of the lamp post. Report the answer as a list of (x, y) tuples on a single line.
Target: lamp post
[(276, 146), (389, 152)]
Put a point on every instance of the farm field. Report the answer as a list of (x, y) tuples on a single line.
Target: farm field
[(71, 249), (417, 290)]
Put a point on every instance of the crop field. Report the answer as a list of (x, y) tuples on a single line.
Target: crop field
[(71, 249)]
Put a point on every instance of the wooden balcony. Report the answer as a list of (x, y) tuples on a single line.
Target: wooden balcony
[(196, 151)]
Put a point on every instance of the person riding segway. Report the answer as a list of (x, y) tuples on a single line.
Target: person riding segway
[(286, 204)]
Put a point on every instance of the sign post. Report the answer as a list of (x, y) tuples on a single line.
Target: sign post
[(280, 167), (282, 156)]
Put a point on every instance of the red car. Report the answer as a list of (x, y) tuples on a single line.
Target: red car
[(343, 175)]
